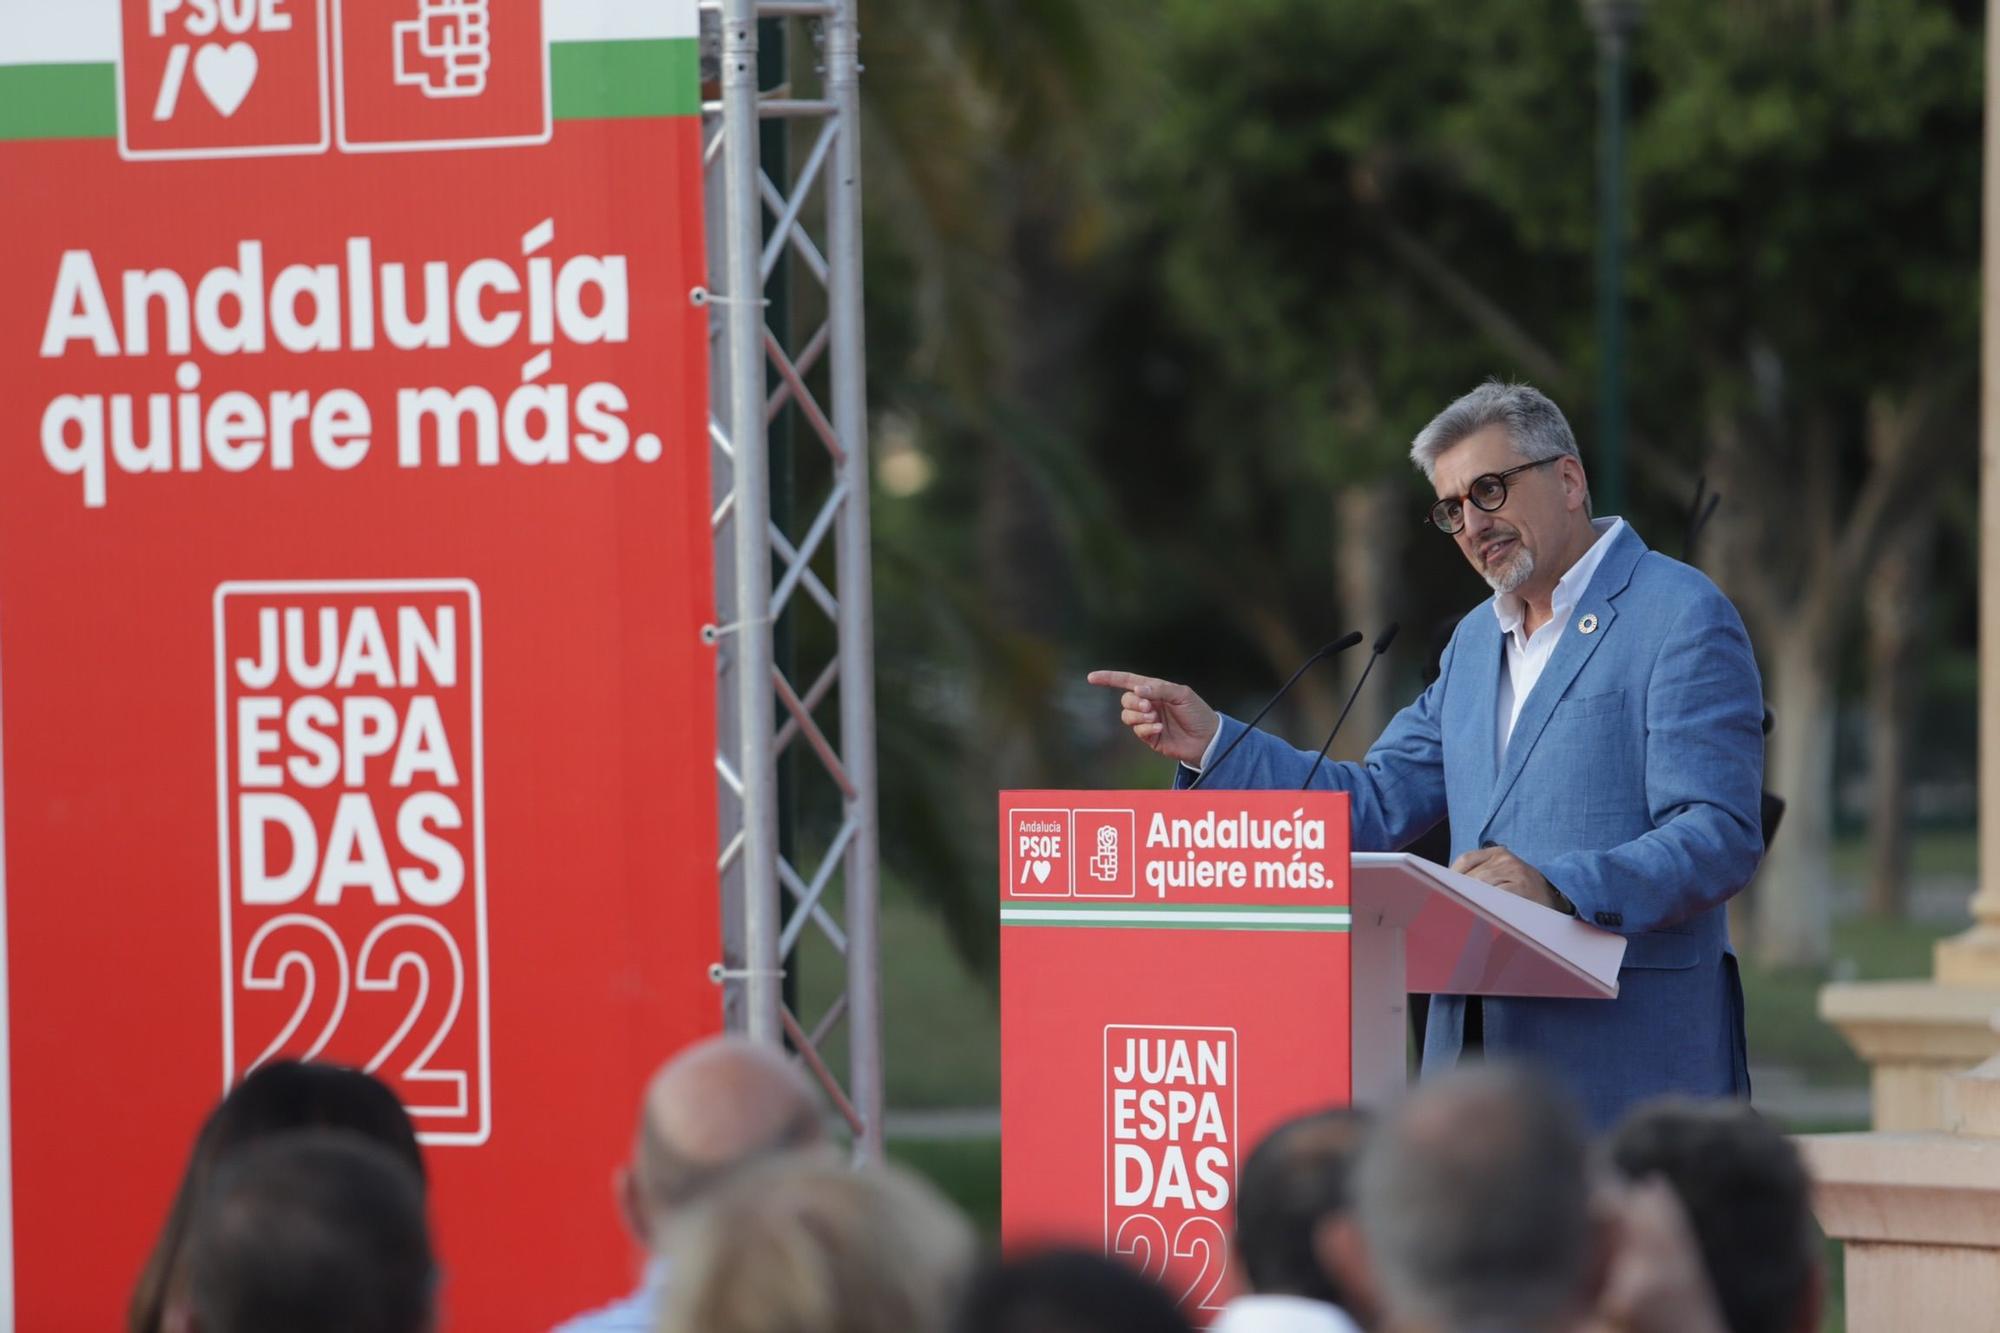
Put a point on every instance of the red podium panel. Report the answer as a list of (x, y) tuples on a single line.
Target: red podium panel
[(1174, 974)]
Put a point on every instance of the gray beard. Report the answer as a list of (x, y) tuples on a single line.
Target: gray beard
[(1512, 574)]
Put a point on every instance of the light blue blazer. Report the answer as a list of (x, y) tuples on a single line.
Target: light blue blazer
[(1632, 781)]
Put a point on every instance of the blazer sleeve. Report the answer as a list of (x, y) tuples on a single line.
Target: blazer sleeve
[(1704, 777), (1397, 789)]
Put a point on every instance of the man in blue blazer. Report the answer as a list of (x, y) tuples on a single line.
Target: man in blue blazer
[(1595, 739)]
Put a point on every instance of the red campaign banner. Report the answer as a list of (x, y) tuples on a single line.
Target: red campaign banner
[(1174, 983), (354, 560)]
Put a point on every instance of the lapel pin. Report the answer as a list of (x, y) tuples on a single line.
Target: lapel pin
[(1587, 625)]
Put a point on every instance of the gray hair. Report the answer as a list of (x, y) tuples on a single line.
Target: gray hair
[(1475, 1202), (1534, 424)]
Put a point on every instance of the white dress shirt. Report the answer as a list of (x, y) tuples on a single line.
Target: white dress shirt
[(1528, 654), (1282, 1314)]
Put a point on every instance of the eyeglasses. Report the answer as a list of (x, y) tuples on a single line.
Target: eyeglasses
[(1489, 492)]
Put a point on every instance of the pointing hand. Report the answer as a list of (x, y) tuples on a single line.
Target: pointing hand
[(1170, 718)]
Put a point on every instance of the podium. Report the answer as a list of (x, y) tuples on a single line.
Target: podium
[(1180, 972), (1420, 928)]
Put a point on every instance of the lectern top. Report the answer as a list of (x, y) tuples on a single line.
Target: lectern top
[(1465, 937)]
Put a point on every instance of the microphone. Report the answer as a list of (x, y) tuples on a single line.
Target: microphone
[(1339, 645), (1380, 646)]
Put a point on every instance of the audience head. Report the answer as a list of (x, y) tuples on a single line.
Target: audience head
[(1067, 1291), (1748, 1199), (271, 1099), (802, 1244), (714, 1108), (1293, 1197), (311, 1231), (1475, 1204)]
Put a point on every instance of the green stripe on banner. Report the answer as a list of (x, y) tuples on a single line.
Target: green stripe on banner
[(58, 101), (622, 80), (1252, 917), (588, 81)]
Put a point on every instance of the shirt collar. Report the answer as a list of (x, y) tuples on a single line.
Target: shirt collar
[(1254, 1311), (1511, 611)]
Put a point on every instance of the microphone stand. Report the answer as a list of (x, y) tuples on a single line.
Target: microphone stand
[(1380, 646), (1339, 645)]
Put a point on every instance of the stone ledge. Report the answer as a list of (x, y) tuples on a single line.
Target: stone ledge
[(1913, 1022), (1973, 958), (1906, 1189)]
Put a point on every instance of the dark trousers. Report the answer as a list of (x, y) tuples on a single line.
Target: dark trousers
[(1474, 1044)]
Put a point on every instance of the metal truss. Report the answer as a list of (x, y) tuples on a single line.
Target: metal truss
[(812, 582)]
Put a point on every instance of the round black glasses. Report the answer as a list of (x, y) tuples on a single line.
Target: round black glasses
[(1489, 492)]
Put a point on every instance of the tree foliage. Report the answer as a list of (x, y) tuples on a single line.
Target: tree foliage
[(1150, 284)]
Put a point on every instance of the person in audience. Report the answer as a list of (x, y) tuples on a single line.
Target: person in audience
[(1291, 1205), (802, 1244), (1474, 1201), (716, 1107), (1479, 1210), (1748, 1198), (273, 1098), (310, 1231), (1653, 1280), (1067, 1291)]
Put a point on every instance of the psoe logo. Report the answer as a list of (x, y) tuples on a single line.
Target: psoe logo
[(446, 50), (254, 78), (439, 74), (222, 78), (1039, 864), (1108, 842)]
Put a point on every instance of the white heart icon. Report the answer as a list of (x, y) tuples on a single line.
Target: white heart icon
[(1041, 869), (225, 74)]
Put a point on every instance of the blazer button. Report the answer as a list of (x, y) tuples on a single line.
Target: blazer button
[(1609, 918)]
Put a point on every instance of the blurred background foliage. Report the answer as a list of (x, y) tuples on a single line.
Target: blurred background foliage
[(1158, 294)]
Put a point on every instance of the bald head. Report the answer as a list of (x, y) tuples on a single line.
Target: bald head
[(1475, 1202), (713, 1108)]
